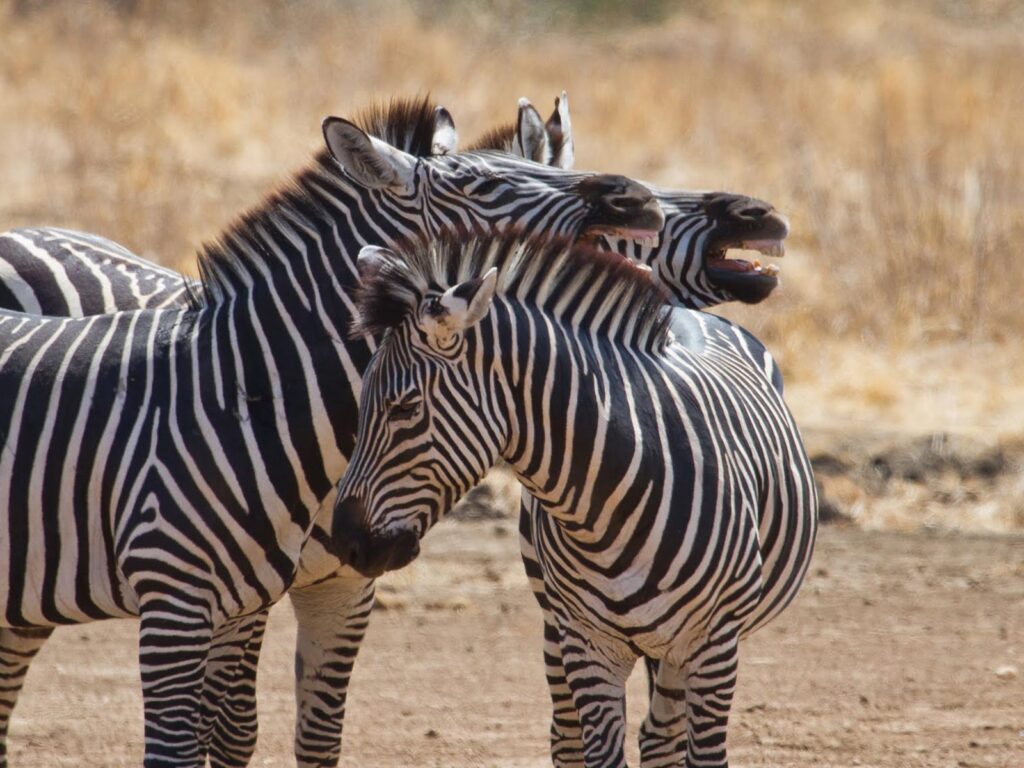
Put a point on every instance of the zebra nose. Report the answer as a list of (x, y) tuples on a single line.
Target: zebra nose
[(619, 203), (749, 208)]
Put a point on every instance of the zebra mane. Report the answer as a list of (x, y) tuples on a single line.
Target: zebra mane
[(406, 123), (595, 290), (499, 138)]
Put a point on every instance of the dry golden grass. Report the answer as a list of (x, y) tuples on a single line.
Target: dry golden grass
[(893, 136)]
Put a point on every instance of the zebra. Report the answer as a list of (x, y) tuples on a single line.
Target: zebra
[(214, 431), (320, 689), (674, 503), (60, 272)]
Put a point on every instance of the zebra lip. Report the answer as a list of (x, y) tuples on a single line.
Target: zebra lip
[(651, 237)]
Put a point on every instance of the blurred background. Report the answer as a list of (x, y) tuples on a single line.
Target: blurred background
[(891, 133)]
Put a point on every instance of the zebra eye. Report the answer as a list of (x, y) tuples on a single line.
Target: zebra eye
[(403, 410)]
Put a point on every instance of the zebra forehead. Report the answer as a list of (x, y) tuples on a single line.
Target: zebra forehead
[(594, 289)]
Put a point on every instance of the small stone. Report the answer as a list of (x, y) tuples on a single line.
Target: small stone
[(1006, 672), (431, 734)]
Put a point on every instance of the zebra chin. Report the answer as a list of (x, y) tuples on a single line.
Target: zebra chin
[(370, 553)]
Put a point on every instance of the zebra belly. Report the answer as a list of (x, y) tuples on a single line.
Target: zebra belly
[(635, 610)]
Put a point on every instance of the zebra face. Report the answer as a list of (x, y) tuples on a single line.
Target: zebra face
[(425, 436), (690, 260), (488, 191)]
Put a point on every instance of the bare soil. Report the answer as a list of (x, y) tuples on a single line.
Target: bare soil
[(888, 658)]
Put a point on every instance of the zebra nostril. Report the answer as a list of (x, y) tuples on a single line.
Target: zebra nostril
[(624, 203), (754, 211)]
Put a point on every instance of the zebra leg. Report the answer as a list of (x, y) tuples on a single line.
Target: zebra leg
[(597, 672), (332, 617), (566, 732), (664, 731), (710, 684), (17, 649), (175, 637), (234, 737)]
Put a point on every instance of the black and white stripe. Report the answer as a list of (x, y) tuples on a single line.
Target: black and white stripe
[(169, 463), (672, 505), (60, 272)]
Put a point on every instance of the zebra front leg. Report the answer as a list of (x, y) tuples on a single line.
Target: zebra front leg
[(664, 731), (332, 618), (566, 732), (17, 649), (596, 672), (234, 737), (710, 684), (228, 730), (175, 637)]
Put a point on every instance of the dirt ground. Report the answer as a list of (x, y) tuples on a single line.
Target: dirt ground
[(888, 658)]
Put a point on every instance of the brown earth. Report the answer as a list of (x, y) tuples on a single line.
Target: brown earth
[(902, 650)]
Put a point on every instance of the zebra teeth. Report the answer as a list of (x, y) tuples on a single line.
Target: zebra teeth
[(773, 249), (771, 270)]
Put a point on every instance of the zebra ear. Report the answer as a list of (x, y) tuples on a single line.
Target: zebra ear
[(460, 307), (531, 139), (370, 161), (446, 139), (372, 260), (559, 130)]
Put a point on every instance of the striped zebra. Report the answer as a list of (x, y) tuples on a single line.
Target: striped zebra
[(170, 463), (61, 272), (321, 688), (674, 505)]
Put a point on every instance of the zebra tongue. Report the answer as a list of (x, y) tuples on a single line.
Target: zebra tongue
[(733, 265)]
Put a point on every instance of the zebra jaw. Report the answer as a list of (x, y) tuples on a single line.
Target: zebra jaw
[(748, 281)]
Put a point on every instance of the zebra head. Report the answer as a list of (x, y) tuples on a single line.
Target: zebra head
[(690, 259), (488, 190), (423, 359), (453, 384)]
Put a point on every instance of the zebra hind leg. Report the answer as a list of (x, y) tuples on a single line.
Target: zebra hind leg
[(17, 649), (663, 734)]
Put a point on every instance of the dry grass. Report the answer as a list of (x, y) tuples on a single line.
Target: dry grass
[(892, 135)]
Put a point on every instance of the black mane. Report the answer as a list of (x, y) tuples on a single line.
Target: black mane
[(594, 289), (406, 123)]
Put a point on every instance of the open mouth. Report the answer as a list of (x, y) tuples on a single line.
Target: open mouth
[(747, 279)]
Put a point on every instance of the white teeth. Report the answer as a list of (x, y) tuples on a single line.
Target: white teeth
[(772, 248), (771, 270)]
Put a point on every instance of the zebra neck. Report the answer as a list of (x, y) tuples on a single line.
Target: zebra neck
[(301, 246), (558, 399)]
